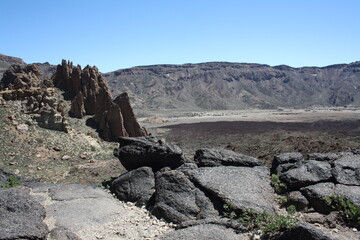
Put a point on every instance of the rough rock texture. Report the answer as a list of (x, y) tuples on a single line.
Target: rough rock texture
[(245, 187), (222, 85), (89, 94), (178, 200), (307, 173), (21, 216), (204, 232), (136, 186), (149, 151), (347, 170), (206, 157), (62, 234), (286, 158), (304, 231), (93, 213), (315, 195), (298, 200), (18, 77), (351, 193), (131, 125)]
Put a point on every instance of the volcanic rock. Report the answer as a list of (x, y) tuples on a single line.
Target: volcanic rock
[(135, 152), (178, 200), (244, 187), (347, 170), (135, 186), (131, 125), (306, 173), (220, 157), (21, 216)]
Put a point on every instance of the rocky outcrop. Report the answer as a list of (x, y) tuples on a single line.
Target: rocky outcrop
[(89, 94), (149, 151), (18, 77), (131, 124), (312, 179), (21, 216)]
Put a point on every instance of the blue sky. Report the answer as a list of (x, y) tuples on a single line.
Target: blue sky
[(114, 34)]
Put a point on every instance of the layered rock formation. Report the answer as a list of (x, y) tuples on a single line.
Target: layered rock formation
[(223, 85), (90, 95)]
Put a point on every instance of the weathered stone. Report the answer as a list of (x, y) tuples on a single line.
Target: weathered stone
[(131, 125), (323, 156), (303, 231), (135, 152), (135, 186), (178, 200), (283, 158), (306, 173), (21, 216), (61, 233), (351, 193), (298, 200), (246, 188), (77, 106), (18, 77), (205, 231), (206, 157), (315, 195), (347, 170)]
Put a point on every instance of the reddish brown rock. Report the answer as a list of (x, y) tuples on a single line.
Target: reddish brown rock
[(131, 124), (77, 106), (17, 77)]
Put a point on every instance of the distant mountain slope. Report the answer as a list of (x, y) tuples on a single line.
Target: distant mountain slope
[(222, 85), (7, 61)]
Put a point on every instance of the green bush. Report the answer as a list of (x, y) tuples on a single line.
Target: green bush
[(349, 210), (269, 224), (12, 182), (291, 209), (277, 184)]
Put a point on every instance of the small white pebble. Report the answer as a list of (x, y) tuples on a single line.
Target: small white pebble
[(354, 230), (335, 230)]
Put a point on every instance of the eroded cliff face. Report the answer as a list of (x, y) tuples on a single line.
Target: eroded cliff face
[(90, 95), (222, 85)]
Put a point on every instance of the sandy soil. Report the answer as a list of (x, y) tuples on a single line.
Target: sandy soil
[(167, 118)]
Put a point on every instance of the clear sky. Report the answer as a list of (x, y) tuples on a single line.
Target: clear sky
[(114, 34)]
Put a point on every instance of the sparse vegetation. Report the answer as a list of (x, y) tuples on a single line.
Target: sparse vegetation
[(291, 210), (349, 210), (269, 224), (277, 184), (12, 182)]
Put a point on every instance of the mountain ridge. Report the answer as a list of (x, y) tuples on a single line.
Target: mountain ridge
[(230, 85)]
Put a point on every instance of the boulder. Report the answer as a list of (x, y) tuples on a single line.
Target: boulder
[(315, 195), (351, 193), (21, 215), (347, 170), (303, 231), (283, 158), (135, 186), (306, 173), (205, 232), (298, 200), (135, 152), (246, 188), (178, 200), (206, 157), (131, 124)]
